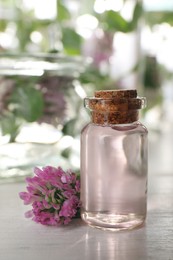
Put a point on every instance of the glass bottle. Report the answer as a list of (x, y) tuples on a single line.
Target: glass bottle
[(114, 161)]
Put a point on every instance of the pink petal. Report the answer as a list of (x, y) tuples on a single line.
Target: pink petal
[(26, 197), (64, 179), (29, 214)]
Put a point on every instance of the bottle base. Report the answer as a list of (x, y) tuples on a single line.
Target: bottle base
[(113, 222)]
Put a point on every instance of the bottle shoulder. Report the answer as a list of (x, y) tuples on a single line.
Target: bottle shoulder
[(136, 127)]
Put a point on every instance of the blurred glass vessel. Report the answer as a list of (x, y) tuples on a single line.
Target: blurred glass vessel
[(37, 99), (114, 161)]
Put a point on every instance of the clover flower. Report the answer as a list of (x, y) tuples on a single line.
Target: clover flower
[(54, 196)]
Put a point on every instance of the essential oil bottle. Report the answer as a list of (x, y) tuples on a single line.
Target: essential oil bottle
[(114, 161)]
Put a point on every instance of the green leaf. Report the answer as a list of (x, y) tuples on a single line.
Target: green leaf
[(137, 14), (3, 25), (27, 102), (63, 13), (93, 75), (159, 17), (9, 125), (66, 153), (115, 22), (71, 41), (69, 128)]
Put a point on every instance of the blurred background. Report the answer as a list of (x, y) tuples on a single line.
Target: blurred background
[(53, 53)]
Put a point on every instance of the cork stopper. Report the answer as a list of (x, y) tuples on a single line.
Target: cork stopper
[(125, 93), (115, 106)]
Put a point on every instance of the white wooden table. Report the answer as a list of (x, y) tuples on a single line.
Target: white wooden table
[(22, 238)]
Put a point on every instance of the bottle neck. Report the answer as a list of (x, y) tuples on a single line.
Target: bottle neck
[(114, 118)]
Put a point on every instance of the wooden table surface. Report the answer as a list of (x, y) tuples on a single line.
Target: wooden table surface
[(23, 239)]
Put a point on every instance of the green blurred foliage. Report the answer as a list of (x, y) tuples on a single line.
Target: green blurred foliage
[(10, 125), (152, 76), (71, 42), (114, 21), (27, 102), (153, 18), (62, 11)]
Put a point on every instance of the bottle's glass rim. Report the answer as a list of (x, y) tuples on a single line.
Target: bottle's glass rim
[(115, 104)]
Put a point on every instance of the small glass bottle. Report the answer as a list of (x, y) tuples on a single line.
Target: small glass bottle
[(114, 161)]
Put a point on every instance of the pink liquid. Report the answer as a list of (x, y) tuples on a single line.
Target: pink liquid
[(114, 175)]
